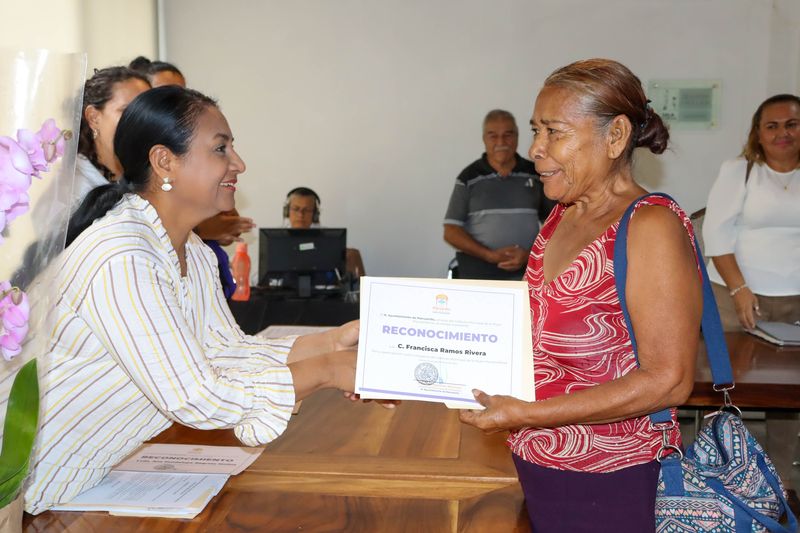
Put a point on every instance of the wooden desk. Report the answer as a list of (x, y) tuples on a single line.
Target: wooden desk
[(348, 467), (359, 467), (767, 376)]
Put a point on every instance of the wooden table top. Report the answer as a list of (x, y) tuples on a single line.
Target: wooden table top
[(342, 466), (359, 467), (767, 376)]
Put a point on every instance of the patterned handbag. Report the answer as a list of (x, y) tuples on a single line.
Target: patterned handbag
[(725, 482)]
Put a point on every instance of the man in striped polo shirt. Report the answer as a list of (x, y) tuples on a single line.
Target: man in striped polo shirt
[(496, 206)]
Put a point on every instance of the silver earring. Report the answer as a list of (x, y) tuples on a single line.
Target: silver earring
[(94, 134), (167, 185)]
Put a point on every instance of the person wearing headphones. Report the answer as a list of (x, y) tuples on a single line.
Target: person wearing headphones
[(301, 211)]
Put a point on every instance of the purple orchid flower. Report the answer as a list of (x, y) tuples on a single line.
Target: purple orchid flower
[(15, 179), (14, 314), (32, 145), (19, 208), (21, 159), (44, 146), (52, 140), (15, 166)]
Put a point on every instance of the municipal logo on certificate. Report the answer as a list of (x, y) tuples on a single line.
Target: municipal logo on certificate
[(440, 305)]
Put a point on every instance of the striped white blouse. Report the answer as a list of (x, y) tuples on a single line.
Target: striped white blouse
[(134, 347)]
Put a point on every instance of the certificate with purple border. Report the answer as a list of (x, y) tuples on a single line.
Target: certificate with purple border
[(435, 340)]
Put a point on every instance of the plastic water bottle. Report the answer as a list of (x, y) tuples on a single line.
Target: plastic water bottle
[(240, 266)]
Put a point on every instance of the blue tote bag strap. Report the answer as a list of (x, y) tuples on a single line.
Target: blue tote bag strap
[(716, 348), (744, 514)]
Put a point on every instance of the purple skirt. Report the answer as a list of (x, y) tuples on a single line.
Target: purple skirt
[(560, 500)]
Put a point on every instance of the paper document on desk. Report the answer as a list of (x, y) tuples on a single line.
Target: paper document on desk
[(175, 495), (780, 333), (190, 458), (437, 339), (167, 480)]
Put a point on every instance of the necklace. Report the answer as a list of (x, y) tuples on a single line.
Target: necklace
[(784, 184)]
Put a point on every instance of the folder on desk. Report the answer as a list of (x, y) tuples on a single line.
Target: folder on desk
[(165, 480), (160, 494), (780, 333)]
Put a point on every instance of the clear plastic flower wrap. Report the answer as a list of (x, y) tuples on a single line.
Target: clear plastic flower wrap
[(40, 106)]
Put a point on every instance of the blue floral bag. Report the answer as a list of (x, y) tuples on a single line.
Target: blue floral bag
[(725, 482)]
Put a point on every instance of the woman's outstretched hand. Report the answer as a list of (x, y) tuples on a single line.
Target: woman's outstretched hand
[(501, 413), (388, 404)]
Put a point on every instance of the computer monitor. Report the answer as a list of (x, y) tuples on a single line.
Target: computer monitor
[(308, 260)]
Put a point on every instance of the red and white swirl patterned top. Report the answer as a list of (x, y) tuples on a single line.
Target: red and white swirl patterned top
[(580, 340)]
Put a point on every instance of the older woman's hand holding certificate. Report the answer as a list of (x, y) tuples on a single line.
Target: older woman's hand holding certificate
[(437, 340)]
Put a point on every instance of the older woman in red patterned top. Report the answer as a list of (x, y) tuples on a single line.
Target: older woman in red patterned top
[(585, 450)]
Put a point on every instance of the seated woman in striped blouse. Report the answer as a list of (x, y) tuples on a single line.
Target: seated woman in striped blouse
[(141, 335)]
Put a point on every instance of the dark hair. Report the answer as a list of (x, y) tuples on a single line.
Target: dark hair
[(97, 91), (753, 151), (608, 89), (162, 116), (150, 68)]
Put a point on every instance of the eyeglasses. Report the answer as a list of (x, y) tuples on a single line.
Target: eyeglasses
[(302, 210)]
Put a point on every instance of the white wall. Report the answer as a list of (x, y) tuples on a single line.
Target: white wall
[(783, 74), (110, 32), (107, 32), (377, 105), (116, 31), (41, 24)]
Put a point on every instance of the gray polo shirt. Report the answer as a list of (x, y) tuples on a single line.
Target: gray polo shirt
[(499, 211)]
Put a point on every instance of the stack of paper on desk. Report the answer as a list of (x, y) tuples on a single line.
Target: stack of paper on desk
[(171, 495), (165, 480), (190, 458), (779, 333)]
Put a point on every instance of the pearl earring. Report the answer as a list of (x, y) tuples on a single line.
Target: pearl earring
[(167, 185), (94, 134)]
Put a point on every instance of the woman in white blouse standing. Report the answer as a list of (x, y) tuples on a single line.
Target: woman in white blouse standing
[(140, 335), (752, 222)]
